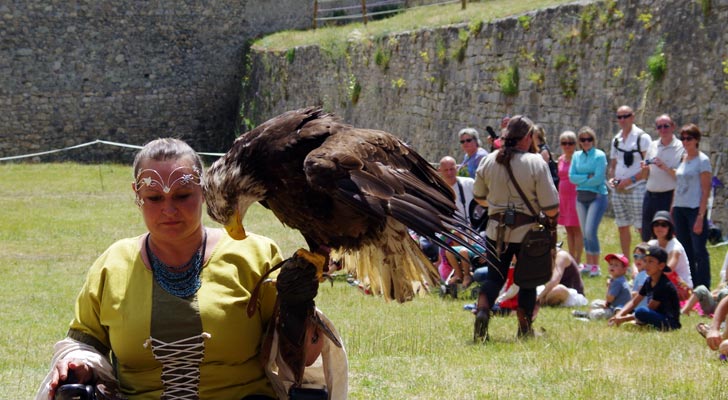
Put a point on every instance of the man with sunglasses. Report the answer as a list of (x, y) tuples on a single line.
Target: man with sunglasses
[(625, 175), (662, 159)]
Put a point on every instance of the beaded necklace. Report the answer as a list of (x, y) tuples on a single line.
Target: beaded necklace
[(182, 281)]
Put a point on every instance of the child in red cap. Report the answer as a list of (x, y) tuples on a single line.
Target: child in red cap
[(618, 293)]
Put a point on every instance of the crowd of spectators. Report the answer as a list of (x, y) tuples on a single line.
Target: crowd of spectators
[(657, 186)]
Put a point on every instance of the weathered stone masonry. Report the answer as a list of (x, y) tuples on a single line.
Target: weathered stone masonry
[(128, 71)]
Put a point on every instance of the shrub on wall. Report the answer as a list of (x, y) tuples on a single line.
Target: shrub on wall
[(525, 22), (705, 5), (508, 81), (354, 89), (381, 58), (464, 37), (656, 63)]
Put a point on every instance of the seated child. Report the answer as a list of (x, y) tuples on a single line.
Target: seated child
[(638, 256), (663, 309), (708, 300), (618, 293)]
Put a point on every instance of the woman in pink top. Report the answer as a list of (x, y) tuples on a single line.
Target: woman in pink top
[(567, 197)]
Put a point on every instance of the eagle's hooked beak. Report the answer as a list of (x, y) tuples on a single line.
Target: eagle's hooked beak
[(235, 227)]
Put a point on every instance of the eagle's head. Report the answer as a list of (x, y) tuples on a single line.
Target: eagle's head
[(230, 188)]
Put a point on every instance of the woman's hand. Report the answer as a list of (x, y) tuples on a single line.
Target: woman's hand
[(82, 373)]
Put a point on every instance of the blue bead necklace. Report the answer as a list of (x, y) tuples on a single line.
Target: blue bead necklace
[(182, 281)]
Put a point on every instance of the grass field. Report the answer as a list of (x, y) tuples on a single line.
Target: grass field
[(55, 219), (413, 19)]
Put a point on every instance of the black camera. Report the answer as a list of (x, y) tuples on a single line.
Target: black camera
[(649, 161), (491, 132)]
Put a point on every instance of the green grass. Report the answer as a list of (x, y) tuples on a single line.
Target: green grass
[(55, 219), (411, 20)]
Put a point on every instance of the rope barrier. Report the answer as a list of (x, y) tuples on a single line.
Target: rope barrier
[(97, 141)]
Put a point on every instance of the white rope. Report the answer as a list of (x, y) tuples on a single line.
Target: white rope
[(180, 365), (78, 146)]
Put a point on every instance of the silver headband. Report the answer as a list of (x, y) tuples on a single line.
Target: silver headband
[(165, 184)]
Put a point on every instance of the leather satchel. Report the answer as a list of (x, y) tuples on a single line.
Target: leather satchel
[(535, 260)]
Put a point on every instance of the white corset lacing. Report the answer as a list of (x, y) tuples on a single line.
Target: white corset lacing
[(180, 365)]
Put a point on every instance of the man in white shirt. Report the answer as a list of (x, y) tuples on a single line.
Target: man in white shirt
[(462, 186), (626, 179), (662, 160)]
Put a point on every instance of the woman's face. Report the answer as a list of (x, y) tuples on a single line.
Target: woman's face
[(586, 141), (469, 144), (689, 142), (660, 229), (171, 197), (568, 146)]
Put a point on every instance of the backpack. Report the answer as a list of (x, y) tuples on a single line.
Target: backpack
[(477, 214), (629, 154)]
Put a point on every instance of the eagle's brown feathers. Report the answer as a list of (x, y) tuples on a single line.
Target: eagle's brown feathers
[(341, 187)]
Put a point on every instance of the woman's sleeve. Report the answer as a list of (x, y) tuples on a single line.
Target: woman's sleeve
[(71, 349), (86, 325), (87, 339), (600, 169)]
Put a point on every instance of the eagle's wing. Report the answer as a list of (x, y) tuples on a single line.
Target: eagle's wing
[(376, 174)]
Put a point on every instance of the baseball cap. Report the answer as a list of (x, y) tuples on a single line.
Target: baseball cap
[(660, 254), (618, 256)]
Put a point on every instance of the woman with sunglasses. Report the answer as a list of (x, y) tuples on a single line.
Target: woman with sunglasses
[(470, 143), (588, 173), (663, 236), (568, 218), (690, 204)]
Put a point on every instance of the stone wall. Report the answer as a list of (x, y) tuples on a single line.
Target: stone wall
[(128, 71), (576, 63)]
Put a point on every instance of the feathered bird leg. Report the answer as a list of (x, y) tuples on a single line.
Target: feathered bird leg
[(297, 286)]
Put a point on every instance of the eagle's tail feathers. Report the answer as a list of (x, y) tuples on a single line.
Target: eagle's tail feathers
[(394, 267)]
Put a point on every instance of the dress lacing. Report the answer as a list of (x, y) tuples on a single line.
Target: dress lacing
[(180, 365)]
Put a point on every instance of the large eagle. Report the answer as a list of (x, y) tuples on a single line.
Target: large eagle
[(342, 187), (355, 190)]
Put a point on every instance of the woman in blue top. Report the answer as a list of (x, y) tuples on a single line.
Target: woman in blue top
[(588, 173), (690, 203), (470, 143)]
